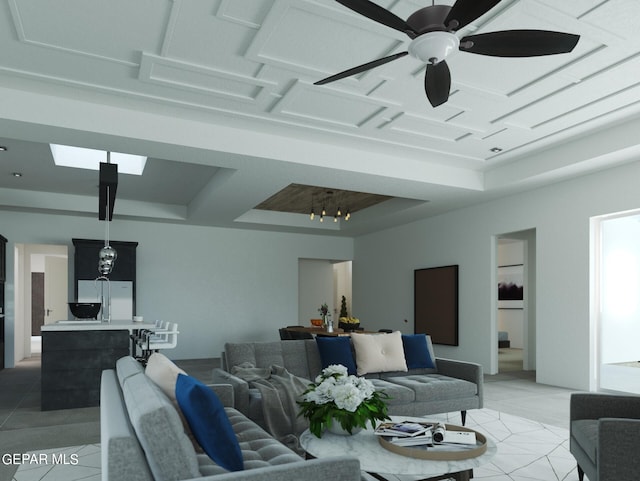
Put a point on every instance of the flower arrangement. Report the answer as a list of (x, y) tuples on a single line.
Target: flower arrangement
[(336, 396), (324, 310)]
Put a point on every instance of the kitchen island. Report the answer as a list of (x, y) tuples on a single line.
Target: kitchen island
[(74, 354)]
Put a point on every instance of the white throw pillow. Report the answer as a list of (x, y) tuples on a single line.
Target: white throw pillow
[(162, 371), (379, 352)]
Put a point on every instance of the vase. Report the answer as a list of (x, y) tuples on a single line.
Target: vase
[(336, 428)]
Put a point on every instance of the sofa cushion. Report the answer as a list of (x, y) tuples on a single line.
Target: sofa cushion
[(416, 351), (169, 452), (164, 373), (209, 422), (292, 355), (379, 352), (398, 394), (336, 350), (122, 456), (585, 433), (435, 387), (126, 367)]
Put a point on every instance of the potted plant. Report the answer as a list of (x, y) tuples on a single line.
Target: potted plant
[(341, 402)]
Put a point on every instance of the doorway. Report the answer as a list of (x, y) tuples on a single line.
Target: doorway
[(515, 300), (615, 281), (321, 281), (41, 293)]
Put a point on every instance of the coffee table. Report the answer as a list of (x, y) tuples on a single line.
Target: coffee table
[(377, 461)]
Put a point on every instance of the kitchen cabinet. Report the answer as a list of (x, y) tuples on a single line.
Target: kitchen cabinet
[(86, 258)]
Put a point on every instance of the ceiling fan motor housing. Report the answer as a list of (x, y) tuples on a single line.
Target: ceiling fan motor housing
[(429, 19), (434, 43), (434, 47)]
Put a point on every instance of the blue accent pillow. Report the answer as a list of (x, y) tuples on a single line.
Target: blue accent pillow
[(336, 350), (209, 422), (416, 351)]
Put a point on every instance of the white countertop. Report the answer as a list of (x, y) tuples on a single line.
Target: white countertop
[(73, 325)]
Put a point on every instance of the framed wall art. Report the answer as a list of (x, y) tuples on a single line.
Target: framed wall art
[(436, 304), (511, 286)]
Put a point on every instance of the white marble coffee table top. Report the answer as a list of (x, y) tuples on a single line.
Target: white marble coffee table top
[(375, 459)]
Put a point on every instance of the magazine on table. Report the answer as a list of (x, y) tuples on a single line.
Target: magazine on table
[(404, 429), (426, 435)]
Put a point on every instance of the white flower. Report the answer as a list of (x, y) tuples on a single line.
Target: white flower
[(338, 369), (347, 396), (337, 386)]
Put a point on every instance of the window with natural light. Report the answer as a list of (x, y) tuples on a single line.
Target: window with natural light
[(82, 158)]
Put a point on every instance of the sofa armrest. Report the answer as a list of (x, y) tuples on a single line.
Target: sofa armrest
[(240, 389), (600, 405), (617, 441), (334, 468), (224, 393), (468, 371)]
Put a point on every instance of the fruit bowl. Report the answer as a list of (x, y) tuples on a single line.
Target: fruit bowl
[(349, 326), (316, 322)]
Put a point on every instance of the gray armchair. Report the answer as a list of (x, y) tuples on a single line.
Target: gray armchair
[(605, 436)]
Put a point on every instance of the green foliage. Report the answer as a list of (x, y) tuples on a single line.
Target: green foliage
[(343, 307), (321, 416), (324, 403)]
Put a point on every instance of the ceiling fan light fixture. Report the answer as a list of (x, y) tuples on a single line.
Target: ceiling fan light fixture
[(434, 47)]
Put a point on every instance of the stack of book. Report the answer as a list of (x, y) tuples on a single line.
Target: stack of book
[(411, 433)]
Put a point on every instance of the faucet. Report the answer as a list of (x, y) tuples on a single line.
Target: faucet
[(104, 318)]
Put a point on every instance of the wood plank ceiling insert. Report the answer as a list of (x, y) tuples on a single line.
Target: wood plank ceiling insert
[(300, 199)]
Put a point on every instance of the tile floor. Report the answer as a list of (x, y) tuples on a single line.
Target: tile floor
[(24, 428)]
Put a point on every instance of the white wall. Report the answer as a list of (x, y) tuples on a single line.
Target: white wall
[(218, 284), (342, 282), (315, 287), (560, 213)]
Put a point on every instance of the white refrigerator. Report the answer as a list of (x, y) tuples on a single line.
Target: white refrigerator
[(121, 297)]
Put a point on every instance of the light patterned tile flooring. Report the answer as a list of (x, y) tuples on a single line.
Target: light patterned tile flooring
[(527, 451), (75, 463)]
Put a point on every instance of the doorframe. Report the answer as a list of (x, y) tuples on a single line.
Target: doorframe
[(22, 294), (529, 352)]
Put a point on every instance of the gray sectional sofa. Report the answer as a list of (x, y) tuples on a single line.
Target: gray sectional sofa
[(143, 439), (449, 386)]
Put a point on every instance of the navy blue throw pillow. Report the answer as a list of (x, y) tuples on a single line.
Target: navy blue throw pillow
[(336, 350), (416, 352), (209, 422)]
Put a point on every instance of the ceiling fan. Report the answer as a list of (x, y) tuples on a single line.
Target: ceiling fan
[(432, 30)]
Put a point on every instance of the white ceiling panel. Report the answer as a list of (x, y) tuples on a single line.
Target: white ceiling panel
[(75, 29), (619, 17), (191, 77), (317, 41), (248, 14), (227, 85), (323, 105)]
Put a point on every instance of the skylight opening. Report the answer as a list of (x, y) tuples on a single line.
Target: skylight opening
[(81, 158)]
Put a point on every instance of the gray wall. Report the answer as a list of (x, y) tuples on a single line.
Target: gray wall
[(218, 284), (560, 214)]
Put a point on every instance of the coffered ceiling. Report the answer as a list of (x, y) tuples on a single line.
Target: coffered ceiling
[(219, 94)]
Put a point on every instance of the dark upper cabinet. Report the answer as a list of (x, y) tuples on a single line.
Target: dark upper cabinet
[(86, 260)]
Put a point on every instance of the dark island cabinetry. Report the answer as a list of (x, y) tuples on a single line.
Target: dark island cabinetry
[(73, 362)]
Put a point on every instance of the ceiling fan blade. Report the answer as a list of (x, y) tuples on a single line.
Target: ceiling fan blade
[(519, 43), (463, 12), (437, 83), (361, 68), (378, 14)]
